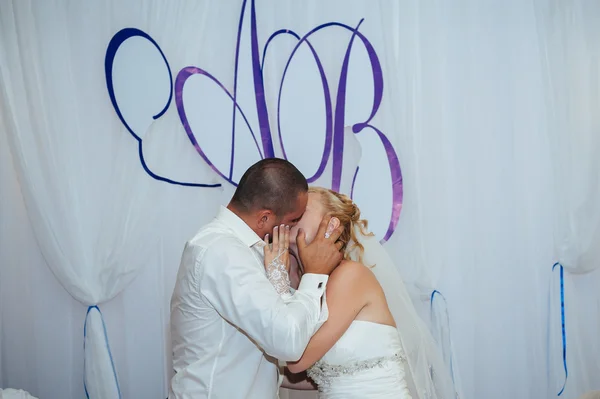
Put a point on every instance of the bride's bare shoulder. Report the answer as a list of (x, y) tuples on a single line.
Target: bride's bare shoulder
[(350, 280), (351, 270)]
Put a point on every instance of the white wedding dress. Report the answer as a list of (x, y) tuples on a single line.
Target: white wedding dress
[(366, 362)]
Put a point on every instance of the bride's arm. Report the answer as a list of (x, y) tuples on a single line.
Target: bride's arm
[(297, 382), (346, 296)]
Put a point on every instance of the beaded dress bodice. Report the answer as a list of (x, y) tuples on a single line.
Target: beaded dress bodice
[(366, 362)]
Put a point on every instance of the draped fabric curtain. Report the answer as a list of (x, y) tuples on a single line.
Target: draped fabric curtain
[(475, 225), (498, 141), (570, 57), (570, 54), (92, 208), (90, 212), (492, 108)]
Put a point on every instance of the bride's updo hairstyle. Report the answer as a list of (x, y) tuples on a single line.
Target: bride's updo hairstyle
[(343, 208)]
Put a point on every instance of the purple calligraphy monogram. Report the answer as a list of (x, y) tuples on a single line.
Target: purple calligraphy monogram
[(334, 121)]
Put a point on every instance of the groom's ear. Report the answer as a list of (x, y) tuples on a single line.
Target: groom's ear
[(264, 219)]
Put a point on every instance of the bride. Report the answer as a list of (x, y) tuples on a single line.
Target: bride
[(373, 345)]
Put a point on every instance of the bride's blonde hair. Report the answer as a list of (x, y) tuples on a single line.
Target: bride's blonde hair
[(343, 208)]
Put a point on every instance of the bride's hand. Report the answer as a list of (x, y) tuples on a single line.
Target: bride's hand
[(279, 250)]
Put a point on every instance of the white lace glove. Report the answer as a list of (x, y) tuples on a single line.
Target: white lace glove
[(277, 259), (278, 275)]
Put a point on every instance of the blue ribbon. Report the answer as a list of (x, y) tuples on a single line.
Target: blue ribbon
[(563, 324), (448, 319), (112, 363)]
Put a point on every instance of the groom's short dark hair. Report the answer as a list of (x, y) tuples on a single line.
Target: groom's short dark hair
[(273, 184)]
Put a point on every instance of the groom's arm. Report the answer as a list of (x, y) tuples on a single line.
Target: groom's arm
[(240, 292)]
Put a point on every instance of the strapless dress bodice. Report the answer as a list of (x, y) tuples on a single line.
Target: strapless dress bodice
[(366, 362)]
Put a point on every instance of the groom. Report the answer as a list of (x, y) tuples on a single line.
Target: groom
[(228, 324)]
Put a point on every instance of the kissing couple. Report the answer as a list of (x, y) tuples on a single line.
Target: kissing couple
[(288, 275)]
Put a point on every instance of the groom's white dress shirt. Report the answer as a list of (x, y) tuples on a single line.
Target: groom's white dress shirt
[(228, 324)]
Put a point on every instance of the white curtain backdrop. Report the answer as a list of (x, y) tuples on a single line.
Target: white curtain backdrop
[(492, 107), (570, 52), (94, 213), (568, 37)]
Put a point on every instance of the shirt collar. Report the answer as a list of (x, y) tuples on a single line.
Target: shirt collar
[(239, 227)]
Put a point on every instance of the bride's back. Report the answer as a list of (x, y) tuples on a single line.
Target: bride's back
[(375, 308)]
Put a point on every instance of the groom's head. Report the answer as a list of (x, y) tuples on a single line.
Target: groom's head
[(270, 193)]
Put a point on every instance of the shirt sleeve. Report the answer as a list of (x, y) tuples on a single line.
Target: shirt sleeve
[(235, 284)]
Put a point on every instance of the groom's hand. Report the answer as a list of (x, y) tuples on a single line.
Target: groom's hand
[(323, 254)]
